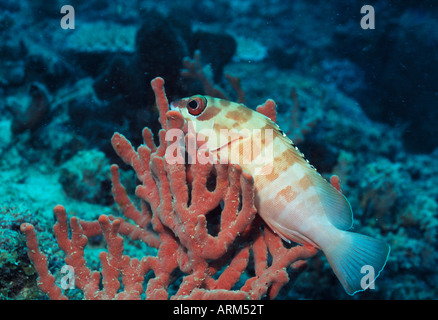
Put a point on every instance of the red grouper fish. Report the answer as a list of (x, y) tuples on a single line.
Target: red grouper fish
[(291, 196)]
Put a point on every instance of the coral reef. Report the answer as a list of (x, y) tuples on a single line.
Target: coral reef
[(174, 219)]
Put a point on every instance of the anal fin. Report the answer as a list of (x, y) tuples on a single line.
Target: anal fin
[(290, 235)]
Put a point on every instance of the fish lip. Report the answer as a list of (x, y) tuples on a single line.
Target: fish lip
[(174, 106), (178, 105)]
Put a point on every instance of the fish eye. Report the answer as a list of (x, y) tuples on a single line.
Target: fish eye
[(196, 105)]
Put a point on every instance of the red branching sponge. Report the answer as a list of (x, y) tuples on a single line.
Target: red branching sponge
[(176, 200)]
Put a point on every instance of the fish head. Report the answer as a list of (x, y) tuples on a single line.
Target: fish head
[(211, 113), (214, 120)]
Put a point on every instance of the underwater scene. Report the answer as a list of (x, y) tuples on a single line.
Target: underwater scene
[(218, 150)]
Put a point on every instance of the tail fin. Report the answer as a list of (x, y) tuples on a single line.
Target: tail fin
[(354, 258)]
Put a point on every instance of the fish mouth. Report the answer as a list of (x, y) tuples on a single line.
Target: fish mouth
[(176, 106), (173, 107)]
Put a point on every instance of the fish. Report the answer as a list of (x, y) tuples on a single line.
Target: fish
[(291, 197)]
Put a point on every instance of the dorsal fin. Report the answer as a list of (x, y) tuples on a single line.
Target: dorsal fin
[(299, 157)]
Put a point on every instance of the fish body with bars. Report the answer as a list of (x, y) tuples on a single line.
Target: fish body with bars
[(292, 198)]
